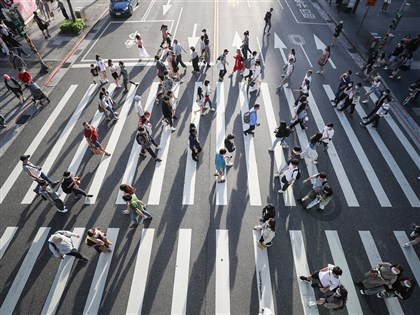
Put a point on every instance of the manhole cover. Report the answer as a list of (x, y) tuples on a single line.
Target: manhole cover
[(22, 119)]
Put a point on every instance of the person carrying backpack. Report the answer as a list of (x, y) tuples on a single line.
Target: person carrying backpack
[(281, 132), (143, 139), (319, 181), (268, 212), (71, 184), (290, 174), (253, 120), (51, 196)]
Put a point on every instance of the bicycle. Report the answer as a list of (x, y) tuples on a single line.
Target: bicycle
[(412, 94)]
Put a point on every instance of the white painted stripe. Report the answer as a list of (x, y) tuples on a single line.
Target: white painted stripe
[(353, 304), (128, 177), (96, 290), (410, 254), (127, 63), (222, 273), (53, 153), (361, 155), (61, 278), (25, 270), (301, 266), (141, 270), (157, 181), (7, 185), (6, 238), (262, 270), (279, 158), (191, 166), (335, 160), (251, 160), (393, 165), (374, 257), (112, 144), (182, 270), (221, 188), (83, 146), (399, 134)]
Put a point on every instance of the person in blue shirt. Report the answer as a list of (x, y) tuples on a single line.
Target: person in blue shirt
[(220, 165), (253, 120)]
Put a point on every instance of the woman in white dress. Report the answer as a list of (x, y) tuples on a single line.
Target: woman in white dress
[(140, 46)]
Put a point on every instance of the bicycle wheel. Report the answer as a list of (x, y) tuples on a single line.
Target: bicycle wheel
[(406, 100)]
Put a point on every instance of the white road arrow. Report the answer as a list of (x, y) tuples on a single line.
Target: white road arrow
[(278, 43), (237, 41), (166, 7), (321, 46), (192, 41)]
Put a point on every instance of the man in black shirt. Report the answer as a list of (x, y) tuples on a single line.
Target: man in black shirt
[(267, 20)]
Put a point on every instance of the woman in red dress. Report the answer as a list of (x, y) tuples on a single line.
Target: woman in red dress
[(239, 66)]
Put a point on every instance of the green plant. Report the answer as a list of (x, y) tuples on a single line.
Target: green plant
[(70, 27)]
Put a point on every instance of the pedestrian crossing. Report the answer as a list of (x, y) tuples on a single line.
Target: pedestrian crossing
[(250, 148), (267, 281)]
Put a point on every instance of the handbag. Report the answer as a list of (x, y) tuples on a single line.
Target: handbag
[(100, 109)]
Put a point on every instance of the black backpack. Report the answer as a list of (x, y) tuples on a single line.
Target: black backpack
[(268, 212), (298, 174)]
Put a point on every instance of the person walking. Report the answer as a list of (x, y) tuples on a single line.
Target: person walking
[(268, 231), (327, 135), (145, 122), (290, 175), (95, 73), (282, 132), (385, 5), (144, 140), (405, 66), (319, 181), (24, 76), (41, 8), (71, 184), (35, 172), (114, 72), (343, 82), (178, 49), (13, 86), (300, 113), (245, 45), (160, 68), (267, 19), (168, 111), (141, 48), (100, 63), (165, 35), (250, 65), (51, 196), (415, 235), (62, 8), (402, 288), (105, 105), (323, 59), (207, 92), (353, 100), (238, 66), (206, 54), (328, 278), (289, 71), (91, 136), (367, 67), (337, 32), (310, 152), (381, 112), (230, 148), (194, 143), (333, 300), (195, 60), (373, 71), (128, 190), (61, 244), (220, 164), (385, 95), (222, 63), (374, 88), (97, 239), (255, 83), (380, 277), (126, 78), (322, 198), (137, 209), (253, 120), (16, 61)]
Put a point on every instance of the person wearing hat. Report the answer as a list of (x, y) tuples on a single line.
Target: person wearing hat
[(328, 277), (327, 135), (221, 64), (36, 173), (71, 183), (61, 244), (13, 85)]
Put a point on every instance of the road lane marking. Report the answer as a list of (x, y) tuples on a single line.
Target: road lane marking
[(409, 253), (279, 158), (221, 188), (6, 238), (251, 160), (96, 291), (25, 270), (60, 142), (361, 155), (261, 53), (61, 278), (353, 304), (374, 257), (182, 271), (191, 166), (278, 43), (141, 270), (222, 273), (7, 185)]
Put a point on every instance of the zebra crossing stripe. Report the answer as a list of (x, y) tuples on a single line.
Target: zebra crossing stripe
[(99, 278), (222, 273), (157, 181), (128, 177), (262, 270), (7, 185), (182, 270), (251, 160), (221, 188), (361, 155), (191, 166), (83, 146), (53, 153), (335, 160), (374, 257), (392, 164), (6, 238), (25, 270), (301, 266), (141, 270), (353, 304), (410, 254), (112, 143), (399, 134), (61, 278), (280, 161)]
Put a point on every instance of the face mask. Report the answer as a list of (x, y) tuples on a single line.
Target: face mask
[(395, 271), (407, 284)]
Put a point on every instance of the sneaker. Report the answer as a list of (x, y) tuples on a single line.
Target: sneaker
[(285, 146), (108, 118), (314, 162), (229, 164), (84, 260), (158, 160), (173, 129), (399, 77), (304, 279), (158, 147), (365, 118), (55, 184), (386, 68), (391, 77), (318, 72), (142, 155), (362, 124), (125, 212), (270, 149), (89, 196), (148, 218), (379, 295), (362, 292), (299, 200), (107, 154), (212, 109), (245, 134), (406, 245), (277, 175), (280, 191), (63, 211), (372, 126)]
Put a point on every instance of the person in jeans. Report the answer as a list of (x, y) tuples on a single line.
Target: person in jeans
[(253, 120), (290, 175), (144, 140), (137, 208), (178, 49), (267, 19), (222, 64), (71, 184), (61, 244), (36, 173), (220, 164)]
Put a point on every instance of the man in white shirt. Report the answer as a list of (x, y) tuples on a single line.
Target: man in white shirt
[(290, 175), (327, 135), (36, 173), (381, 112), (328, 277)]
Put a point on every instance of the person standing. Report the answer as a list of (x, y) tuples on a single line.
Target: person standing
[(290, 175), (71, 184), (137, 208), (337, 32), (61, 244), (385, 5), (194, 143), (253, 120), (327, 135), (245, 45), (230, 148), (281, 132), (289, 71), (126, 78), (374, 88), (144, 140), (13, 85), (222, 63), (323, 59), (239, 66), (268, 231), (97, 239), (35, 172), (141, 49), (95, 73), (114, 74), (310, 151), (178, 49), (194, 60), (62, 8), (91, 136), (220, 164), (267, 19), (381, 112), (100, 63), (328, 277)]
